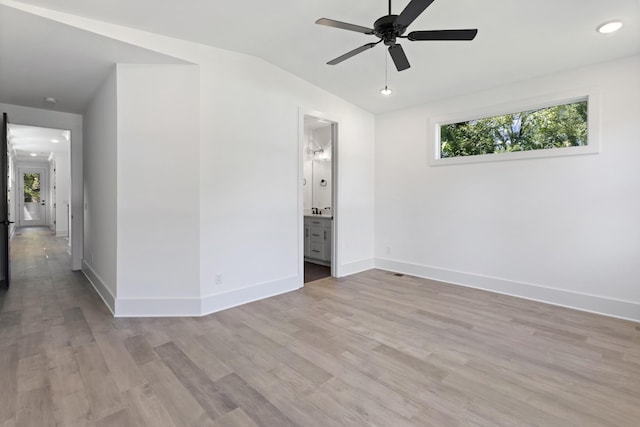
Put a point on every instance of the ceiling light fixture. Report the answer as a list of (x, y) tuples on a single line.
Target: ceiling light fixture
[(55, 141), (386, 91), (609, 27), (33, 154)]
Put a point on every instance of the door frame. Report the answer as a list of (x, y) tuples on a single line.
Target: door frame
[(43, 169), (335, 206), (4, 193)]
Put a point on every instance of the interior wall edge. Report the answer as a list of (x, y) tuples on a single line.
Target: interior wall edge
[(236, 297), (620, 309), (347, 269), (157, 307), (101, 288), (196, 307)]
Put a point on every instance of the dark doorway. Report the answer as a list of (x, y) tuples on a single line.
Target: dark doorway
[(313, 272)]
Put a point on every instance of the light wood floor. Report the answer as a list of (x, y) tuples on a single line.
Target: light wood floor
[(370, 349)]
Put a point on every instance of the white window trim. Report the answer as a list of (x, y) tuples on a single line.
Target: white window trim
[(593, 128)]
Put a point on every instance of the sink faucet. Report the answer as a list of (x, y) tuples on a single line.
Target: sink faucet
[(314, 211)]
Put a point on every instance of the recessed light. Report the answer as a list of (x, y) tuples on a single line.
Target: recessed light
[(609, 27), (33, 154), (55, 141), (50, 100), (386, 91)]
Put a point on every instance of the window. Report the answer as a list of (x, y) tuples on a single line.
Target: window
[(553, 128), (32, 187)]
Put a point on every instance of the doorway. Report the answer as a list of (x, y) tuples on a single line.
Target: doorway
[(319, 184), (32, 196), (68, 164)]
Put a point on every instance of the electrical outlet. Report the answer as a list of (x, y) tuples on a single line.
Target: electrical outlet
[(218, 278)]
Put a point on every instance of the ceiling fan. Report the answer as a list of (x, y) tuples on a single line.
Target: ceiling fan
[(389, 28)]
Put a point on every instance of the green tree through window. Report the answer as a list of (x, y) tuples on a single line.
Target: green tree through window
[(553, 127), (32, 187)]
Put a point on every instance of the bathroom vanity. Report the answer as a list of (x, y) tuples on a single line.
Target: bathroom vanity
[(317, 239)]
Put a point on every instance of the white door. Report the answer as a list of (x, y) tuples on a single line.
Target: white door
[(33, 197)]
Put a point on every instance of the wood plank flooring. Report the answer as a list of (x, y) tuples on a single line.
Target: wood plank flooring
[(371, 349)]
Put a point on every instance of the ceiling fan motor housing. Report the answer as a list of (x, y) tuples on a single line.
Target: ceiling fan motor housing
[(387, 29)]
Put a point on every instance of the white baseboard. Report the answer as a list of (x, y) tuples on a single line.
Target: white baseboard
[(355, 267), (157, 307), (62, 233), (98, 284), (591, 303), (186, 307), (236, 297)]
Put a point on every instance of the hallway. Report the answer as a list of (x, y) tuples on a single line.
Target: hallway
[(41, 321)]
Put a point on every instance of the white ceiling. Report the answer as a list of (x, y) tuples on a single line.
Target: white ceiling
[(40, 58), (27, 140), (517, 39)]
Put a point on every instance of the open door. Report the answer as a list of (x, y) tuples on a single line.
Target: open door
[(4, 204)]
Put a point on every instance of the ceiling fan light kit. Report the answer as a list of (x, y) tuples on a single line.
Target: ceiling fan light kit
[(390, 28)]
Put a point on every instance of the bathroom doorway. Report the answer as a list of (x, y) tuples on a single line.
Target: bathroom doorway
[(318, 193)]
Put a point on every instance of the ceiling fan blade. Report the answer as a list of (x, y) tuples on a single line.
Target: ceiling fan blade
[(398, 56), (344, 26), (412, 11), (442, 35), (354, 52)]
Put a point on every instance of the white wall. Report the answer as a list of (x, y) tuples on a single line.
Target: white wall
[(249, 161), (72, 122), (563, 229), (250, 215), (100, 191), (158, 185)]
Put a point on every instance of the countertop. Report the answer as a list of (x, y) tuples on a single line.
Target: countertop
[(328, 216)]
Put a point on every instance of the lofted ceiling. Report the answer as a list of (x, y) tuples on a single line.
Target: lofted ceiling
[(517, 40)]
